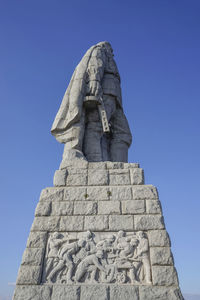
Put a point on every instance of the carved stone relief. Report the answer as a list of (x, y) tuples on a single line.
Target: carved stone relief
[(94, 258)]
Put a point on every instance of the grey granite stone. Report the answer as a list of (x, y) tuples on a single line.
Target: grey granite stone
[(29, 275), (97, 193), (121, 193), (71, 223), (161, 256), (158, 238), (97, 165), (85, 208), (62, 208), (136, 176), (77, 177), (118, 222), (164, 275), (37, 239), (144, 192), (45, 224), (133, 207), (79, 164), (60, 177), (33, 257), (75, 193), (160, 293), (32, 292), (97, 177), (52, 194), (153, 207), (131, 165), (43, 208), (115, 165), (121, 292), (148, 222), (96, 223), (62, 292), (94, 292), (119, 177), (109, 207)]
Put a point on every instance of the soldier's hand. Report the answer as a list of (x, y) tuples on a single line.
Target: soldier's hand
[(95, 88)]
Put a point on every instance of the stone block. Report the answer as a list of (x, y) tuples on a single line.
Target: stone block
[(121, 223), (115, 165), (136, 176), (119, 177), (68, 292), (60, 177), (62, 208), (159, 238), (97, 177), (131, 165), (97, 165), (29, 275), (94, 292), (153, 207), (148, 222), (75, 193), (85, 208), (71, 223), (133, 207), (159, 293), (45, 224), (78, 164), (120, 193), (77, 177), (52, 194), (144, 192), (33, 257), (43, 208), (32, 292), (164, 275), (109, 207), (124, 292), (96, 223), (161, 256), (98, 193), (37, 239)]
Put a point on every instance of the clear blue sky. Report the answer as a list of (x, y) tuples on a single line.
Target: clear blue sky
[(157, 49)]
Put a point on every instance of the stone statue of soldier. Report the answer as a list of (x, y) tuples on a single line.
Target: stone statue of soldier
[(91, 122)]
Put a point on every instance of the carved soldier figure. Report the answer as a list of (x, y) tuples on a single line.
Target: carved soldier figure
[(92, 100)]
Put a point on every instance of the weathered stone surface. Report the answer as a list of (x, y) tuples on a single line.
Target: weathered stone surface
[(131, 165), (119, 222), (52, 194), (33, 257), (124, 293), (153, 207), (62, 208), (68, 292), (79, 164), (97, 177), (71, 223), (37, 239), (60, 177), (85, 208), (120, 193), (96, 223), (161, 256), (119, 177), (133, 207), (75, 193), (144, 192), (148, 222), (97, 165), (29, 275), (97, 193), (32, 292), (158, 238), (159, 293), (108, 207), (43, 208), (137, 176), (77, 177), (45, 224), (115, 165), (164, 275), (94, 292)]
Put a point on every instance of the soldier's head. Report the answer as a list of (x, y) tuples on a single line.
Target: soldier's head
[(99, 254), (107, 46), (121, 233)]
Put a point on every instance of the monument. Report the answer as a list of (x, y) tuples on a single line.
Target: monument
[(99, 232)]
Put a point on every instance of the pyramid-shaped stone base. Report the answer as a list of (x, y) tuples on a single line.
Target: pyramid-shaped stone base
[(98, 234)]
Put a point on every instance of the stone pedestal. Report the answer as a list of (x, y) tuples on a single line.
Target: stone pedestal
[(98, 234)]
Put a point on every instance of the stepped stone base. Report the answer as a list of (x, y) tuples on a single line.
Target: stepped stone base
[(98, 234)]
